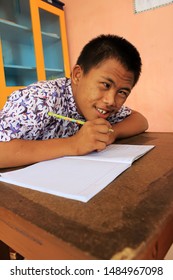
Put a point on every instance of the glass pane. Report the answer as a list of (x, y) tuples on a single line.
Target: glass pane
[(52, 47), (17, 42)]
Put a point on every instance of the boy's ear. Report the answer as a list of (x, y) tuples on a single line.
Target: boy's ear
[(76, 74)]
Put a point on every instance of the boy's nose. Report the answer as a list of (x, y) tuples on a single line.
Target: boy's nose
[(109, 99)]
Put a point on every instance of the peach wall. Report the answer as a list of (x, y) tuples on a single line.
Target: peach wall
[(151, 32)]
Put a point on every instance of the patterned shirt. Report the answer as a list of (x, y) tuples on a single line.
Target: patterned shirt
[(25, 114)]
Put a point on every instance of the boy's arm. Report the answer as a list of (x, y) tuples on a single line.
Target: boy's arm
[(134, 124), (93, 135), (20, 152)]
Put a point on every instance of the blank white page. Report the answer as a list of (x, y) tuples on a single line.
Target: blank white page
[(66, 177), (119, 153)]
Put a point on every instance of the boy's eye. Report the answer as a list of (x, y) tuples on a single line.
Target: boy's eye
[(106, 85), (124, 93)]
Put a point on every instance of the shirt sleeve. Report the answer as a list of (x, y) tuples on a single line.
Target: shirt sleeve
[(23, 115), (120, 115)]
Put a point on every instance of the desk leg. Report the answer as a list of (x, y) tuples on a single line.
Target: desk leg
[(4, 251), (7, 253)]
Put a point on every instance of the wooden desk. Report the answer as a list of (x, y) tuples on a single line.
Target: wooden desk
[(132, 218)]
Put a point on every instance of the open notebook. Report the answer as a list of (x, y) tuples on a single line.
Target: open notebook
[(78, 178)]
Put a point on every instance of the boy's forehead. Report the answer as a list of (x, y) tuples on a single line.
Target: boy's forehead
[(114, 68), (110, 64)]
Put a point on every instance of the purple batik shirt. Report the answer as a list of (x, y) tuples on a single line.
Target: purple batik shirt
[(25, 114)]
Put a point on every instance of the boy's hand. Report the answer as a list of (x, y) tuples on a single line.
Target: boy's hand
[(93, 135)]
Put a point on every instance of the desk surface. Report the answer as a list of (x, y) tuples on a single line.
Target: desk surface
[(132, 218)]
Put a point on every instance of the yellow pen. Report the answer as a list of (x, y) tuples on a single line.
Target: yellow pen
[(65, 118), (69, 119)]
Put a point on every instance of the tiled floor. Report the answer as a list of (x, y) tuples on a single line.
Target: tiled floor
[(169, 255)]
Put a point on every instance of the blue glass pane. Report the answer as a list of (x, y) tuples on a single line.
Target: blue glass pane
[(52, 46), (17, 43)]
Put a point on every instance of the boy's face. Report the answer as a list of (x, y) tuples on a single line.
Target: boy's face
[(103, 90)]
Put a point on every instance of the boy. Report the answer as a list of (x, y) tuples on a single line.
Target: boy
[(102, 79)]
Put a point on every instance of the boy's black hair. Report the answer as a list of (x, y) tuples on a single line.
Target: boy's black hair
[(110, 46)]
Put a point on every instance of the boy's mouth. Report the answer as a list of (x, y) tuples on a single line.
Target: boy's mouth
[(101, 111)]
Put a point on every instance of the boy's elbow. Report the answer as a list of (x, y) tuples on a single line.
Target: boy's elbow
[(142, 122), (145, 124)]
